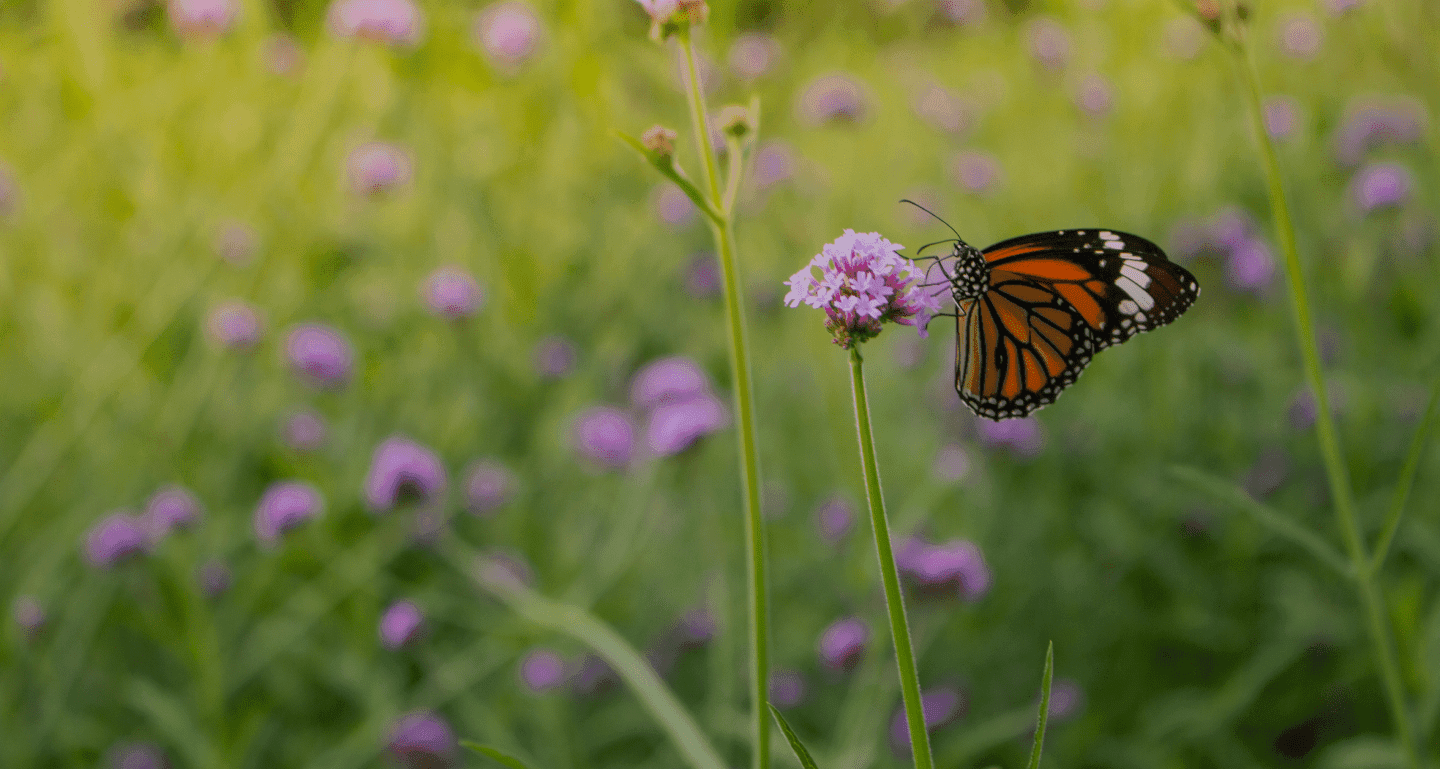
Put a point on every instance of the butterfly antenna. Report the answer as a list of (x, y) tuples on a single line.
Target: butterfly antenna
[(936, 243), (937, 218)]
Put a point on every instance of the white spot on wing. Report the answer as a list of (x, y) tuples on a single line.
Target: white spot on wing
[(1107, 235), (1141, 279), (1128, 307), (1137, 293), (1115, 244)]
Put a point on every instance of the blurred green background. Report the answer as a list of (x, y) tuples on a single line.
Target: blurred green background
[(158, 162)]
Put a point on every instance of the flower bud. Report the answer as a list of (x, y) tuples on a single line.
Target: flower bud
[(735, 121), (659, 140)]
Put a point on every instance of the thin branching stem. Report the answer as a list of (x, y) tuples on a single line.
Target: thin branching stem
[(1406, 481)]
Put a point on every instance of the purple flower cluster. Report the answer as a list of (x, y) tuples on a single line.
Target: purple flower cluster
[(234, 325), (320, 355), (304, 431), (1049, 42), (942, 706), (452, 293), (787, 688), (956, 565), (396, 22), (975, 171), (753, 54), (284, 506), (1231, 235), (29, 615), (172, 507), (377, 167), (834, 519), (401, 624), (679, 408), (1022, 437), (606, 436), (863, 283), (136, 755), (121, 534), (554, 357), (842, 644), (508, 33), (834, 97), (942, 108), (1373, 121), (423, 740), (401, 467), (488, 486), (542, 670), (202, 19), (1381, 185)]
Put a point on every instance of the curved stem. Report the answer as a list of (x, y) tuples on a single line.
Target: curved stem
[(1371, 599), (894, 600)]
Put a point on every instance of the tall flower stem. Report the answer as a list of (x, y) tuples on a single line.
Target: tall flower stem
[(894, 600), (745, 408), (1371, 599)]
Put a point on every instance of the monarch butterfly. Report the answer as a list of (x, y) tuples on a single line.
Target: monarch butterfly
[(1031, 311)]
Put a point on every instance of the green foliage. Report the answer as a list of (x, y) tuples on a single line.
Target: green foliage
[(801, 754)]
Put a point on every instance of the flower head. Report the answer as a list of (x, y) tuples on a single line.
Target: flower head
[(956, 565), (377, 167), (401, 623), (1381, 185), (320, 355), (422, 740), (283, 506), (670, 16), (753, 54), (941, 706), (787, 688), (401, 466), (214, 578), (202, 18), (234, 325), (488, 486), (172, 507), (606, 436), (117, 536), (1021, 436), (833, 97), (863, 283), (508, 33), (396, 22), (452, 294), (834, 519), (554, 357), (542, 670), (29, 615), (843, 643), (136, 755), (304, 431)]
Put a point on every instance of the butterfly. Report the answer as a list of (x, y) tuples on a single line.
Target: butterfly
[(1032, 311)]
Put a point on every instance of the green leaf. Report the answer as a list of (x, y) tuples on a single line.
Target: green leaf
[(667, 168), (1044, 707), (489, 752), (795, 744)]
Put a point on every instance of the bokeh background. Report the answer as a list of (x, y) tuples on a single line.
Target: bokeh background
[(297, 302)]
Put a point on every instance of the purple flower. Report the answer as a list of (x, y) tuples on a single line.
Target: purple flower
[(977, 172), (605, 435), (1049, 42), (863, 283), (114, 538), (667, 380), (1250, 267), (672, 207), (320, 355), (283, 56), (1372, 121), (1381, 185), (660, 10), (396, 22), (214, 578), (29, 615), (422, 740), (452, 294), (941, 706), (843, 643), (401, 467), (488, 486), (774, 163), (554, 357), (508, 33), (787, 689), (542, 670), (235, 243), (283, 506), (376, 167), (136, 755), (1066, 699), (1021, 436), (234, 325), (673, 426), (593, 676), (1268, 473), (834, 519), (1282, 116), (955, 565), (1095, 97), (401, 624), (202, 18), (832, 97), (696, 627), (702, 277), (304, 431), (944, 110), (952, 463), (172, 507), (753, 54), (1300, 36), (963, 12)]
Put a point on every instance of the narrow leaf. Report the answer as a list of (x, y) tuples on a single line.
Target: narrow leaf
[(1407, 480), (1044, 707), (800, 752), (667, 168), (500, 757)]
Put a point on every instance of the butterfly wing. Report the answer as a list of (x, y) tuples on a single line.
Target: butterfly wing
[(1054, 299)]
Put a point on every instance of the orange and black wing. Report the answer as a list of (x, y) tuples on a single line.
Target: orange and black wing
[(1054, 299)]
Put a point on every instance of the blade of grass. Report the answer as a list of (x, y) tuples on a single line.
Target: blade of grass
[(665, 164), (491, 753), (800, 752), (1044, 707), (1223, 491), (1406, 481)]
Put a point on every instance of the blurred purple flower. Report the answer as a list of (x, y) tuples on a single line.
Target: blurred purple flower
[(1372, 121), (554, 357), (399, 468), (234, 325), (1095, 97), (114, 538), (941, 705), (667, 380), (1184, 36), (1250, 267), (842, 644), (320, 355), (1268, 473), (674, 425), (593, 676), (1300, 36), (863, 283), (284, 56), (671, 205), (702, 276), (452, 294), (401, 624), (508, 33), (283, 506), (976, 171), (499, 568), (172, 507), (834, 519), (941, 108), (1049, 42), (753, 54), (202, 19), (696, 627), (1282, 116), (605, 435), (1232, 227), (957, 565), (136, 755), (1022, 437), (488, 486), (787, 689), (235, 243), (1381, 185), (952, 463), (832, 97), (29, 615), (376, 167), (214, 578), (396, 22), (542, 670), (422, 740), (963, 12), (774, 163), (1066, 699), (304, 431)]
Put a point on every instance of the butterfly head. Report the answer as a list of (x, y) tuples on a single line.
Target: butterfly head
[(968, 272)]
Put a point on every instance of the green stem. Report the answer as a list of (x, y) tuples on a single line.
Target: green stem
[(745, 408), (1406, 481), (894, 600), (1371, 599)]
